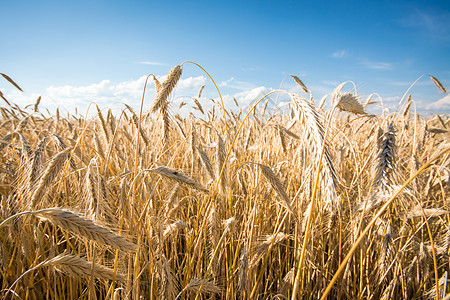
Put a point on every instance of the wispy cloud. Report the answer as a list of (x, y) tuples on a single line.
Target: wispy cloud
[(252, 68), (232, 83), (408, 83), (332, 83), (400, 83), (340, 54), (377, 65), (151, 63), (433, 24), (442, 104)]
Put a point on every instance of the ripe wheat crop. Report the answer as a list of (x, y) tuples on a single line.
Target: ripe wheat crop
[(223, 202)]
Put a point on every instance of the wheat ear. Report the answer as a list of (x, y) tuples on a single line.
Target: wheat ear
[(386, 160), (316, 137), (438, 84), (206, 163), (348, 102), (179, 177), (203, 286), (50, 174), (300, 83), (76, 267), (103, 123), (168, 288), (84, 228), (167, 87)]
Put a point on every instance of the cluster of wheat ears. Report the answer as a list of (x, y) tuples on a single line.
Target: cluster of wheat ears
[(314, 201)]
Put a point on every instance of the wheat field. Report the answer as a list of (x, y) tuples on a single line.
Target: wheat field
[(319, 200)]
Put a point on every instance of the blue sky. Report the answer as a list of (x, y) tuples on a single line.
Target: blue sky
[(76, 52)]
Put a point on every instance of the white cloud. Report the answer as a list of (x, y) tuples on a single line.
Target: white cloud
[(332, 83), (377, 65), (105, 93), (400, 83), (252, 68), (186, 85), (340, 54), (432, 24), (247, 97), (442, 104), (226, 82), (408, 83), (237, 85)]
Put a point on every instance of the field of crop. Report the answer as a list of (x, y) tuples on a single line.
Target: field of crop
[(316, 200)]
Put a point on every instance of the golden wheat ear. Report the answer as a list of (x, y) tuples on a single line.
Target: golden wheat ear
[(84, 228), (348, 102), (179, 177), (11, 81), (167, 87), (300, 83), (438, 84), (77, 267)]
